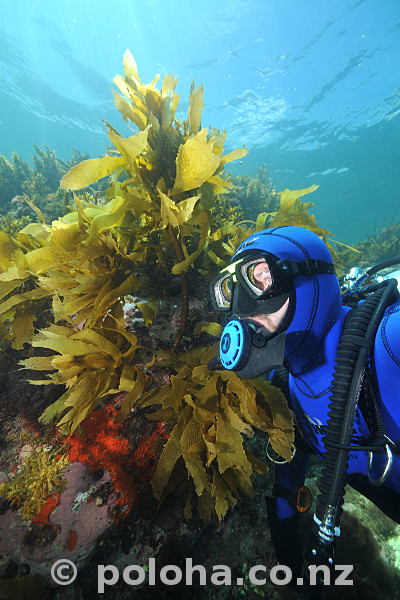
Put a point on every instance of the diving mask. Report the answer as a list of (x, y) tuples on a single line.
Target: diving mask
[(241, 286), (244, 286)]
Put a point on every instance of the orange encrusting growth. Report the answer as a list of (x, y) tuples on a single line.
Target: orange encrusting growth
[(71, 540), (51, 504), (103, 447)]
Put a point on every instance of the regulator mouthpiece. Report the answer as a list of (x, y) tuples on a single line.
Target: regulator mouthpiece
[(250, 353)]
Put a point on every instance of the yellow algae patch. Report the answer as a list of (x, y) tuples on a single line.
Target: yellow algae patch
[(129, 147), (196, 103), (88, 171), (195, 163)]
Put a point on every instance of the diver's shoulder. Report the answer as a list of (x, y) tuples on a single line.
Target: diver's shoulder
[(391, 318), (388, 334)]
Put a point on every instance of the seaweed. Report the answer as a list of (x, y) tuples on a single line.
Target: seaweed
[(46, 164), (38, 476), (378, 247), (12, 175), (209, 413), (171, 169), (253, 194), (152, 224), (40, 185)]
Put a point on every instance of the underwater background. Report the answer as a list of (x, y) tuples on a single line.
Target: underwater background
[(311, 88), (118, 444)]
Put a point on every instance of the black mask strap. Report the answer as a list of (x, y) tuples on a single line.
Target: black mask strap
[(312, 266)]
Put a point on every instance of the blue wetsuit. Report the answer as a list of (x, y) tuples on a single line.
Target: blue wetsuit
[(316, 320), (310, 395)]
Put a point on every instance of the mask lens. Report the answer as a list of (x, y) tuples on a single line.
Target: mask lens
[(223, 291), (257, 275), (226, 289)]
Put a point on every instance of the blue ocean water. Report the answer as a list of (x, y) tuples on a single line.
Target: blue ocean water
[(311, 88)]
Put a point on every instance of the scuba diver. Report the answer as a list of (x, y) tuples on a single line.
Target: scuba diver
[(338, 366)]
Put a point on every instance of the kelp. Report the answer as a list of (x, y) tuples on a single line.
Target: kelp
[(171, 165), (86, 274), (20, 296), (253, 194), (169, 168), (88, 364), (57, 264), (87, 261), (292, 211), (383, 244), (209, 413), (155, 218)]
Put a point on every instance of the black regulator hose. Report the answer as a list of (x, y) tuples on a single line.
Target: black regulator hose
[(355, 344)]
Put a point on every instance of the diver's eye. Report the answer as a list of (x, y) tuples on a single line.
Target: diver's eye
[(259, 275)]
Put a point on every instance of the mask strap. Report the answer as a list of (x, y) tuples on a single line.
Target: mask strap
[(311, 266)]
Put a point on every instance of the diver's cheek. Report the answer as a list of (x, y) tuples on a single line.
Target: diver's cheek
[(271, 321)]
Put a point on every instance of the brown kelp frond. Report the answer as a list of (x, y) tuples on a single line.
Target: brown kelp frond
[(289, 209), (172, 169), (210, 414), (165, 154), (88, 363), (87, 274), (87, 261), (21, 299), (293, 211)]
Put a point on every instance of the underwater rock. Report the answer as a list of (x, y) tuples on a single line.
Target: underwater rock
[(240, 541), (374, 539), (133, 317), (369, 541), (72, 530)]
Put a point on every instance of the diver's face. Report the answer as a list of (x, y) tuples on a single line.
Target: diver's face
[(253, 286), (261, 277)]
